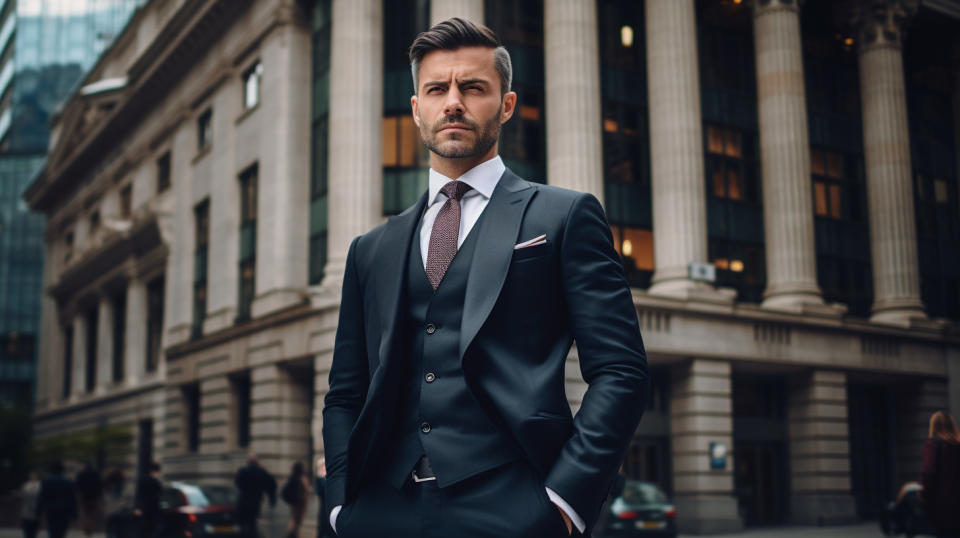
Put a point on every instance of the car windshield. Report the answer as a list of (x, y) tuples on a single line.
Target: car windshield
[(208, 495), (643, 493)]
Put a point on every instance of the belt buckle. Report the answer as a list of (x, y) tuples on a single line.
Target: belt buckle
[(417, 479)]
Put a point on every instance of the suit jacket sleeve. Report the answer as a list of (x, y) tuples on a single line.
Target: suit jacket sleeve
[(349, 381), (603, 321)]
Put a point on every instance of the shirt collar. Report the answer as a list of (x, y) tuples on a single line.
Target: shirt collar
[(483, 178)]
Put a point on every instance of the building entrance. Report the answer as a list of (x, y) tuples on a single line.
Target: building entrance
[(761, 479), (872, 447)]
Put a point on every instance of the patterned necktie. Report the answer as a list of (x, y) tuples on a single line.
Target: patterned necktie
[(446, 231)]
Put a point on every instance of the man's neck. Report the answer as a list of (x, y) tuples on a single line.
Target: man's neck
[(454, 168)]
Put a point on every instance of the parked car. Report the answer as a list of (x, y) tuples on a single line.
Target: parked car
[(642, 509), (186, 510)]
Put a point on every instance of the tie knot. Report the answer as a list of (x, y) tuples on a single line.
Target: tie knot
[(455, 189)]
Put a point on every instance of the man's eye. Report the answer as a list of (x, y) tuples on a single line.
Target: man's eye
[(434, 89)]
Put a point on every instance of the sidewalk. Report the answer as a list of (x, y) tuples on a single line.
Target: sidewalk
[(860, 530)]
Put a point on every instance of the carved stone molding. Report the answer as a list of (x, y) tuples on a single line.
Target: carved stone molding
[(881, 23)]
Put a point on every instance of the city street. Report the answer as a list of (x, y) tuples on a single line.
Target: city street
[(862, 530)]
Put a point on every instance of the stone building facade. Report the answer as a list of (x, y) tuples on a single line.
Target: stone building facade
[(781, 181)]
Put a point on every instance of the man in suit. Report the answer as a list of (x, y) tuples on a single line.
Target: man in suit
[(447, 414)]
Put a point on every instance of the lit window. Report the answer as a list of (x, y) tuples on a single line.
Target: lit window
[(401, 141), (529, 112), (251, 86), (626, 36), (635, 246)]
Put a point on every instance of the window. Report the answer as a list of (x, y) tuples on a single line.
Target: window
[(119, 330), (67, 247), (240, 385), (163, 172), (735, 242), (319, 110), (154, 323), (191, 403), (725, 177), (251, 86), (94, 222), (248, 241), (67, 361), (829, 172), (404, 161), (202, 223), (635, 247), (204, 129), (91, 351), (126, 202)]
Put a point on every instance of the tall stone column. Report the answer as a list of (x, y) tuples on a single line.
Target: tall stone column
[(819, 449), (785, 157), (886, 140), (701, 412), (676, 145), (135, 333), (104, 344), (79, 376), (441, 10), (216, 422), (356, 111), (574, 154), (283, 209)]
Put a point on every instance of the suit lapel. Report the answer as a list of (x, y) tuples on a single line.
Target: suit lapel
[(494, 249), (391, 261)]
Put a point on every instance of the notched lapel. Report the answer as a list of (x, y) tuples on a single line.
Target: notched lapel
[(491, 261), (391, 268)]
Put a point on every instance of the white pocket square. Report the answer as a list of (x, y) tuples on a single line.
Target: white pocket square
[(538, 240)]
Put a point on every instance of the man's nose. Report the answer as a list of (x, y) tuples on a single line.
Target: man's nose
[(454, 103)]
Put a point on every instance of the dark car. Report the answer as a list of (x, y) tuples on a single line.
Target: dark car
[(642, 509), (185, 510)]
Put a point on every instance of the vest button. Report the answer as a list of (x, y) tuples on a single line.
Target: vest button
[(425, 427), (431, 328), (430, 377)]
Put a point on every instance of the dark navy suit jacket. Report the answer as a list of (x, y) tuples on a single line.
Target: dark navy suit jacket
[(522, 310)]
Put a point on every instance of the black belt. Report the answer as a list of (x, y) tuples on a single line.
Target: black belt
[(422, 472)]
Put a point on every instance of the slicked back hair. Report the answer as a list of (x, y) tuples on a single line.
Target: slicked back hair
[(454, 33)]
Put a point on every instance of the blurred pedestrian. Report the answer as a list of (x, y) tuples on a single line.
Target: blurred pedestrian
[(940, 475), (90, 493), (57, 501), (146, 501), (320, 487), (296, 493), (28, 508), (253, 481)]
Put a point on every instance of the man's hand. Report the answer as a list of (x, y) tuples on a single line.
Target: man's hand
[(566, 519)]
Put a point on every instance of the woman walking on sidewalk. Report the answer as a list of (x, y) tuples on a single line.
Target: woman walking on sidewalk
[(940, 475)]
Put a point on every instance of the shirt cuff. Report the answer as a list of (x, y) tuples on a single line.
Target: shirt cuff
[(567, 509), (333, 517)]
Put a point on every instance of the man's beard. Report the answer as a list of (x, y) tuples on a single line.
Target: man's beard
[(486, 137)]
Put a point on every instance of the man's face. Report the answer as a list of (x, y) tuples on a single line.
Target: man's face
[(458, 106)]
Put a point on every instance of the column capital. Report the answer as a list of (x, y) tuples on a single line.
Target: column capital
[(880, 23)]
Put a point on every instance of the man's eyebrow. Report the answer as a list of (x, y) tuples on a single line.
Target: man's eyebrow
[(473, 81), (434, 83)]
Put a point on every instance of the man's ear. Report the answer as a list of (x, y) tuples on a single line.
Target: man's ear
[(508, 107), (415, 107)]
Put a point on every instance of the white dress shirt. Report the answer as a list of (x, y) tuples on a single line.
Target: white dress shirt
[(483, 178)]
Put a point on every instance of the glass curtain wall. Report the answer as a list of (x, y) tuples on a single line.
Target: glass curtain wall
[(405, 160), (522, 139), (931, 83), (731, 150), (626, 140), (838, 180)]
